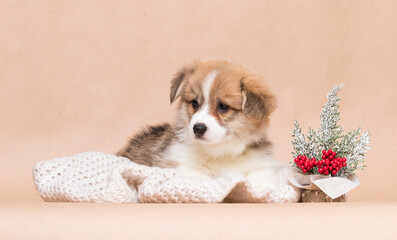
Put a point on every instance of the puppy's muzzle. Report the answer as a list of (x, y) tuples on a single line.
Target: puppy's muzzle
[(199, 129)]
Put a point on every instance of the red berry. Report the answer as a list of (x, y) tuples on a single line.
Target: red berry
[(330, 157), (334, 154), (344, 159), (311, 164), (324, 151), (299, 157), (330, 168), (327, 162), (329, 151), (304, 170), (326, 172), (337, 169), (333, 172), (320, 170), (344, 164), (323, 157), (326, 154), (334, 165)]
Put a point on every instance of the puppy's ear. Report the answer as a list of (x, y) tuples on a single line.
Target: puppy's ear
[(258, 101), (179, 80)]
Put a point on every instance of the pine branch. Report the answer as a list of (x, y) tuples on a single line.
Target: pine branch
[(329, 130)]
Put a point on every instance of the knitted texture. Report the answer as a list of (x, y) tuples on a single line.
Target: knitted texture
[(99, 177)]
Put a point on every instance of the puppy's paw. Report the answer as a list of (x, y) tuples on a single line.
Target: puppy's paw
[(261, 179)]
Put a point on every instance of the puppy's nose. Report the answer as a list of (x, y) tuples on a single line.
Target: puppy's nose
[(199, 129)]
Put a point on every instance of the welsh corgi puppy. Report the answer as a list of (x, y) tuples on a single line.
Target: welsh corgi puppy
[(220, 127)]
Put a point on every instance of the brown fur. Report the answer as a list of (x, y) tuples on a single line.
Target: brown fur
[(148, 146), (259, 101), (178, 81)]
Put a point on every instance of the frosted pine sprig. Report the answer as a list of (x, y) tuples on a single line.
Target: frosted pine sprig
[(355, 151), (329, 130), (352, 145), (298, 141), (301, 145)]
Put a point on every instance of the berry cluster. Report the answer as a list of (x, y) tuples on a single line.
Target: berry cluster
[(305, 163), (329, 163)]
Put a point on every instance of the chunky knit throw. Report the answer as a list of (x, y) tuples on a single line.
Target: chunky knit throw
[(99, 177)]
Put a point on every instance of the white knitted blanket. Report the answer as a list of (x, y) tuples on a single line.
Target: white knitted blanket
[(99, 177)]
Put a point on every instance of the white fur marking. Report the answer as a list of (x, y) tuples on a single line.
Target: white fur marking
[(215, 133), (209, 79)]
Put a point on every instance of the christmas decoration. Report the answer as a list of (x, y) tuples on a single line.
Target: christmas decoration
[(339, 155)]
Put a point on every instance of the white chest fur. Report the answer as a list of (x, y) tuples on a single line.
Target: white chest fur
[(257, 166)]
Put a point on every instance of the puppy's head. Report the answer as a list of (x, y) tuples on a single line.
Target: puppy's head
[(221, 102)]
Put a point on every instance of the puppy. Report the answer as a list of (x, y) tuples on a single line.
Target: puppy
[(223, 114)]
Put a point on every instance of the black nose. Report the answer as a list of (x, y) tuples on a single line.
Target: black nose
[(199, 129)]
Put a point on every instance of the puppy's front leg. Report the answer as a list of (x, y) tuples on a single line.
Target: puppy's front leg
[(261, 178)]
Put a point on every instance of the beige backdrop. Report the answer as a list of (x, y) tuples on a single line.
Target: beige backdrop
[(80, 76)]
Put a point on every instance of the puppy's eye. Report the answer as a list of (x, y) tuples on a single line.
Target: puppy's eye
[(223, 108), (195, 104)]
